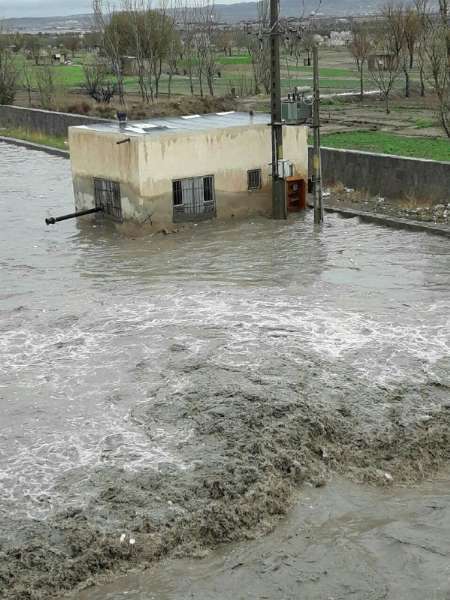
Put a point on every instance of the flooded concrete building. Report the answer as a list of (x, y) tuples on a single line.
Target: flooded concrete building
[(190, 168)]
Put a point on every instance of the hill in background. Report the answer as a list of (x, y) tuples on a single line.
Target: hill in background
[(230, 13)]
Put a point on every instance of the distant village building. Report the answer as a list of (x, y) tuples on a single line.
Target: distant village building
[(339, 38), (382, 62), (49, 57), (191, 168), (44, 58), (59, 58), (129, 65)]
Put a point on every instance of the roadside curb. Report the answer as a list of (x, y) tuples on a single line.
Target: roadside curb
[(34, 146), (398, 223)]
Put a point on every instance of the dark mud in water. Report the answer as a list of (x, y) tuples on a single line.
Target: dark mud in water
[(179, 390), (250, 439), (340, 541)]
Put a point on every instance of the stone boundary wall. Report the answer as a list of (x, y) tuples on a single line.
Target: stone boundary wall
[(43, 121), (389, 176)]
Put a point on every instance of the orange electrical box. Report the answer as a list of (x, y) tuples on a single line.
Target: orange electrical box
[(295, 194)]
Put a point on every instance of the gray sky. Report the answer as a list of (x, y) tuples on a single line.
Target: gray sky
[(43, 8), (51, 8)]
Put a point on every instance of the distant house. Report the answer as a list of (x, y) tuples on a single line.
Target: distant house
[(129, 65), (44, 58), (338, 38), (190, 168), (382, 62), (50, 57), (59, 58)]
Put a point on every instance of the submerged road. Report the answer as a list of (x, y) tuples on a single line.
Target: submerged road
[(103, 336)]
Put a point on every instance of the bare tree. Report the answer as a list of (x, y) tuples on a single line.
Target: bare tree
[(224, 41), (140, 32), (28, 81), (437, 58), (412, 32), (360, 48), (387, 61), (422, 12), (34, 45), (186, 16), (46, 86), (9, 74), (443, 11), (307, 45), (72, 43), (96, 81), (396, 19), (106, 21), (173, 57), (296, 48), (205, 44), (161, 31), (259, 50)]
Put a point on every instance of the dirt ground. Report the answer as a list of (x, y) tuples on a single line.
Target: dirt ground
[(414, 116), (413, 209)]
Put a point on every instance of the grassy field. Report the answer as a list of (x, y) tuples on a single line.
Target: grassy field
[(338, 73), (37, 138), (233, 69), (390, 143)]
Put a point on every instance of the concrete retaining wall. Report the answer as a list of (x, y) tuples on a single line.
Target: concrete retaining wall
[(386, 175), (42, 121)]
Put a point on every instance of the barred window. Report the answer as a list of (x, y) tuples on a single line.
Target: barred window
[(254, 179), (107, 197), (208, 188), (194, 198), (177, 193)]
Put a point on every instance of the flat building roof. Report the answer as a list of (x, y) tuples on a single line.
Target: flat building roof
[(157, 126)]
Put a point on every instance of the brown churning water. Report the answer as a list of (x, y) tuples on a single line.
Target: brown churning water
[(89, 319)]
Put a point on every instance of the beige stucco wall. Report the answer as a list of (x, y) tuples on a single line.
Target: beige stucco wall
[(147, 165)]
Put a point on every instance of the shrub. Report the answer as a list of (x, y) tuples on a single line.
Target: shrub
[(79, 108), (9, 77)]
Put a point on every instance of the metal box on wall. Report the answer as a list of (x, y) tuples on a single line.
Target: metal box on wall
[(296, 112)]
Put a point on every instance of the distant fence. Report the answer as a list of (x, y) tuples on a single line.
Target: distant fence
[(42, 121), (386, 175)]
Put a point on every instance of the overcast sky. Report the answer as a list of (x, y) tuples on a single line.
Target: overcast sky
[(50, 8), (43, 8)]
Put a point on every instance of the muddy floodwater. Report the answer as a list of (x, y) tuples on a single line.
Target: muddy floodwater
[(182, 390), (341, 541)]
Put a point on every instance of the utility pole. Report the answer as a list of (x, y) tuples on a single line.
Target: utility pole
[(317, 162), (279, 210)]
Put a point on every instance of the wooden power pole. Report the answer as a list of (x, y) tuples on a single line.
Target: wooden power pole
[(317, 163), (279, 209)]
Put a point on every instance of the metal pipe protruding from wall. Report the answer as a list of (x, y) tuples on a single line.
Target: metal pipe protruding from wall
[(80, 213)]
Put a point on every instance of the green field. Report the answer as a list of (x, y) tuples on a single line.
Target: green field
[(243, 59), (326, 71), (233, 70), (390, 143)]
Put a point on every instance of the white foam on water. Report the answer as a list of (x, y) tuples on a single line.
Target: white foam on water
[(30, 478), (379, 348), (98, 306)]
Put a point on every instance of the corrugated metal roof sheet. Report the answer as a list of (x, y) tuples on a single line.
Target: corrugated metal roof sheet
[(156, 126)]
